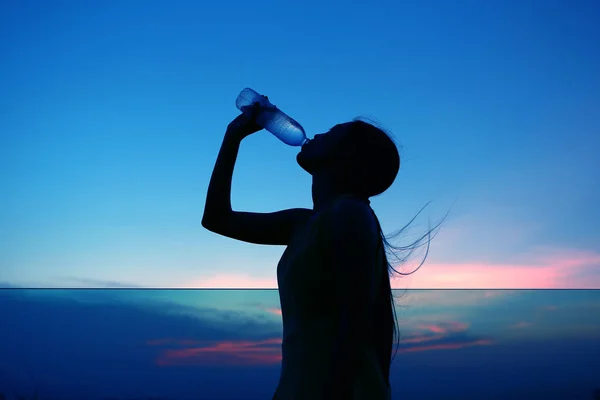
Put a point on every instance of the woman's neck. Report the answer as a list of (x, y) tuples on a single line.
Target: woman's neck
[(324, 194)]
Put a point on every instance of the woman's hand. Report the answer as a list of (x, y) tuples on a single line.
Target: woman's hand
[(245, 124)]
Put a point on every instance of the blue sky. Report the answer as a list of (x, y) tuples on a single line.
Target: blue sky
[(113, 115), (206, 344)]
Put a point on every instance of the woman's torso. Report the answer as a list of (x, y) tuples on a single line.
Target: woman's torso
[(306, 284)]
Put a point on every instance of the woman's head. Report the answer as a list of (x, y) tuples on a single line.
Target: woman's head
[(357, 156)]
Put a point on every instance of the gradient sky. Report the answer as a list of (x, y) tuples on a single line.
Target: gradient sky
[(112, 115), (208, 344)]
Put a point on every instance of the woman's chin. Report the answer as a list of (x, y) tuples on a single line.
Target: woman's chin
[(304, 162)]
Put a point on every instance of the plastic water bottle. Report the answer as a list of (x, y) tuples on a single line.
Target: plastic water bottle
[(273, 119)]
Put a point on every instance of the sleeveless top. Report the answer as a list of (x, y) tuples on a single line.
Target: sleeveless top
[(305, 280)]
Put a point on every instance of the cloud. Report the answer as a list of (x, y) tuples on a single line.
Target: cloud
[(238, 352), (567, 269), (537, 268), (446, 327), (276, 311), (232, 281), (447, 346), (491, 248), (126, 344), (451, 335), (99, 339)]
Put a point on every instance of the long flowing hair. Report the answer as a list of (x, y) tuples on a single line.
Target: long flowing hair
[(384, 163), (388, 332)]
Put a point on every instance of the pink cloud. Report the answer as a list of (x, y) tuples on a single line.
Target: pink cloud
[(446, 346), (439, 336), (434, 328), (232, 281), (426, 337), (540, 268), (444, 327), (240, 352), (172, 342), (440, 331), (420, 338), (256, 353), (567, 270)]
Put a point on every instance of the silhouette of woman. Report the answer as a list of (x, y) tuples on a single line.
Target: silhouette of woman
[(334, 286)]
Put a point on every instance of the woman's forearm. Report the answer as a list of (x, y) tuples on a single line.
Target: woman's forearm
[(218, 197)]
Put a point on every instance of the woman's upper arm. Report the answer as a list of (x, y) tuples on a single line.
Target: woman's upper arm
[(274, 228)]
